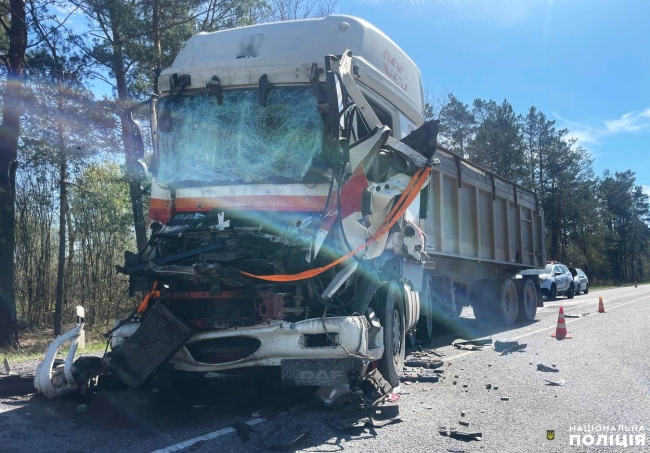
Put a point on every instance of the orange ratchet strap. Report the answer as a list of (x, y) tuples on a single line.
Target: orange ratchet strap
[(145, 302), (410, 193)]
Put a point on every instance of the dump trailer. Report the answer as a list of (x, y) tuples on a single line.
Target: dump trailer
[(302, 215)]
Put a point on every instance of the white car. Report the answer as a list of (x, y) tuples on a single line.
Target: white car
[(554, 279), (581, 282)]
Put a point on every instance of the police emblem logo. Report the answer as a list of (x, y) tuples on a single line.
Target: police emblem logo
[(550, 434)]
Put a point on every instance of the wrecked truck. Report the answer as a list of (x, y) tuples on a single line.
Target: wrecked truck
[(302, 215)]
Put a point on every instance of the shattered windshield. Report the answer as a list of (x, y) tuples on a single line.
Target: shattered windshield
[(239, 140)]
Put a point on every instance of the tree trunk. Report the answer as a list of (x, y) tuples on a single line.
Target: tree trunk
[(63, 204), (12, 110)]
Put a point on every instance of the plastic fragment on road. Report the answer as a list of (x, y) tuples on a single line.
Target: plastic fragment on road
[(471, 345), (506, 347), (364, 417), (463, 423), (505, 398), (559, 383), (546, 369), (460, 435), (284, 434), (243, 431)]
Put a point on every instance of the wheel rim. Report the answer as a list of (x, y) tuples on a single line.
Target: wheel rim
[(509, 304)]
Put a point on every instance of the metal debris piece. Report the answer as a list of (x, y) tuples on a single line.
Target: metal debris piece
[(505, 398), (471, 345), (460, 435), (454, 382), (428, 376), (495, 388), (559, 383), (7, 367), (421, 375), (420, 360), (488, 386), (462, 422), (546, 369), (464, 385), (284, 433), (456, 450), (506, 347), (462, 414)]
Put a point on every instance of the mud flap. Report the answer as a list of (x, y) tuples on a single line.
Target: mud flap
[(159, 337), (319, 371)]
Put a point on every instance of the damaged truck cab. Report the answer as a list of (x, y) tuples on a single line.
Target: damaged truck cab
[(275, 154)]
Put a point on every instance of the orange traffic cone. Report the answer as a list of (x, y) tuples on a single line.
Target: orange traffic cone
[(601, 307), (560, 331)]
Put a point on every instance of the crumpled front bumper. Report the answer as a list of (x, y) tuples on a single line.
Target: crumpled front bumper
[(281, 340)]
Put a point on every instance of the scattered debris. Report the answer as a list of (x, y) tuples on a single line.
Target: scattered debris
[(362, 417), (506, 347), (393, 398), (243, 431), (284, 433), (456, 450), (422, 360), (505, 398), (555, 383), (462, 414), (7, 367), (495, 388), (546, 369), (421, 375), (488, 386), (462, 422), (472, 345), (460, 435), (571, 316), (586, 314), (454, 382), (465, 386)]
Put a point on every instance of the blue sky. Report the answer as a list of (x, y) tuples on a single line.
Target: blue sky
[(584, 63)]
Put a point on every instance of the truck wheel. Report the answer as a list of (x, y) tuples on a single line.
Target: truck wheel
[(503, 295), (586, 291), (424, 331), (570, 294), (391, 313), (552, 295), (527, 301)]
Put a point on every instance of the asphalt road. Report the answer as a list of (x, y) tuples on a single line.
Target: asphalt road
[(605, 367)]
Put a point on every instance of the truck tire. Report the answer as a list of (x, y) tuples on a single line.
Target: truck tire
[(503, 298), (570, 293), (390, 309), (552, 295), (527, 301), (424, 331)]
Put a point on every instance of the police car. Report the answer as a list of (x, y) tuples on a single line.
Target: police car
[(554, 279)]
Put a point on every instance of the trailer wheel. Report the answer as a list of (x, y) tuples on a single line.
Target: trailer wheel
[(527, 301), (390, 308), (425, 323), (503, 297)]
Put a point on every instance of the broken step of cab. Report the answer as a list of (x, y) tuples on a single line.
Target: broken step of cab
[(159, 337)]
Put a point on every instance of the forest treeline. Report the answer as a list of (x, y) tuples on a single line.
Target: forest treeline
[(77, 210)]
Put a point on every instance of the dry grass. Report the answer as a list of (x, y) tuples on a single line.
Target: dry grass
[(34, 343)]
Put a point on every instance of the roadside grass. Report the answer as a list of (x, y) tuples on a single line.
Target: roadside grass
[(34, 343), (625, 285)]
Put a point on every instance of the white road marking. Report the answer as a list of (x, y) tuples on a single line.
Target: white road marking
[(209, 436), (567, 321)]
